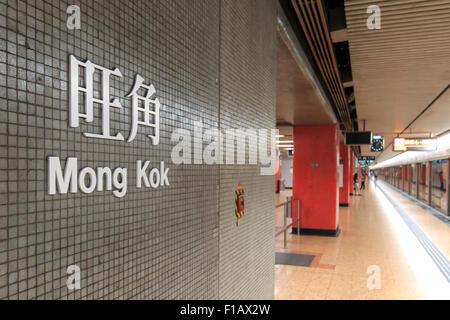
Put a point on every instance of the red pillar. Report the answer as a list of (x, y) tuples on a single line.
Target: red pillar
[(344, 154), (315, 179), (352, 164), (402, 177), (447, 187), (424, 174)]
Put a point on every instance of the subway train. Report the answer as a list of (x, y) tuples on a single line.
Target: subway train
[(423, 175)]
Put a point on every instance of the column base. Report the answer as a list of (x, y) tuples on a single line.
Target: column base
[(318, 232)]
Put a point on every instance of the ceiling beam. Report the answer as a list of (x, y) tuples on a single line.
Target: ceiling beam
[(339, 35)]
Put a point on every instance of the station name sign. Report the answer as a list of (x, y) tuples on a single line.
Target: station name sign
[(84, 98), (414, 144)]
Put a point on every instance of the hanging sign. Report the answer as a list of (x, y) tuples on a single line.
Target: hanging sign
[(414, 144)]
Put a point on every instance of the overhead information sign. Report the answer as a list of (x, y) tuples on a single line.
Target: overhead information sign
[(366, 158), (414, 144)]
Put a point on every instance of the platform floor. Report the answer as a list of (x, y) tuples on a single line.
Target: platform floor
[(372, 234)]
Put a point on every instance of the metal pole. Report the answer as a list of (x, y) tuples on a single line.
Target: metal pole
[(298, 216)]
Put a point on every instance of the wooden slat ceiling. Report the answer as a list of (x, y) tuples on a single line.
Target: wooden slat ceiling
[(312, 19), (399, 69)]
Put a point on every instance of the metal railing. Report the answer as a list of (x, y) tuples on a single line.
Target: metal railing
[(288, 207)]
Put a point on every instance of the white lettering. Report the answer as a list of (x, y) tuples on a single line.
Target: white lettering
[(87, 179), (74, 280), (121, 186), (155, 178), (104, 172), (374, 20), (140, 174), (263, 157), (73, 21), (82, 180), (198, 142), (55, 175), (374, 280), (164, 177), (181, 153), (212, 153)]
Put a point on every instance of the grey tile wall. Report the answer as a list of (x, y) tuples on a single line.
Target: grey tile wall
[(247, 101), (206, 61)]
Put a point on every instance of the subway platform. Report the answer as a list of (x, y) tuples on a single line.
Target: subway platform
[(148, 150), (373, 235)]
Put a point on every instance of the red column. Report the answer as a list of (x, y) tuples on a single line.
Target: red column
[(447, 181), (424, 174), (417, 180), (352, 164), (315, 179), (344, 154), (403, 177)]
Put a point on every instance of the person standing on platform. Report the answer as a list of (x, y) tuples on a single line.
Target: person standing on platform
[(441, 180), (363, 181), (355, 182)]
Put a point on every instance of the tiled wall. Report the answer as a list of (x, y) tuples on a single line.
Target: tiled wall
[(209, 60), (247, 100)]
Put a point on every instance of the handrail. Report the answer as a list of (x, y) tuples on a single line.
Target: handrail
[(283, 230), (285, 226), (283, 204)]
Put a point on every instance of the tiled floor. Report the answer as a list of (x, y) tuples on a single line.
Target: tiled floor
[(435, 229), (373, 234)]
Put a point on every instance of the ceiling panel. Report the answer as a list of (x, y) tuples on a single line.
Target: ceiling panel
[(298, 102), (399, 69)]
